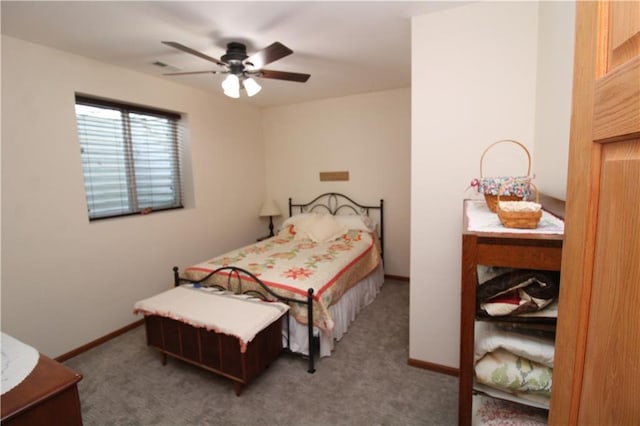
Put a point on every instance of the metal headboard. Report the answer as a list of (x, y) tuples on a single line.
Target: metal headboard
[(335, 203)]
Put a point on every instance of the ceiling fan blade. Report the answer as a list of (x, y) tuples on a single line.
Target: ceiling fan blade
[(269, 54), (193, 52), (192, 72), (284, 75)]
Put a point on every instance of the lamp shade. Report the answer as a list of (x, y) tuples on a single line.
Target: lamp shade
[(251, 86), (231, 86), (270, 208)]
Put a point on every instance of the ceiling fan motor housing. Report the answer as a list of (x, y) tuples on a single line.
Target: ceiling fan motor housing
[(236, 53)]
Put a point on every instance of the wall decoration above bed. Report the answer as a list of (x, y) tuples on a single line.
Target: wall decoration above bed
[(334, 176)]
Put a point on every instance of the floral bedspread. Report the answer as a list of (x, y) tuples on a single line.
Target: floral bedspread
[(291, 266)]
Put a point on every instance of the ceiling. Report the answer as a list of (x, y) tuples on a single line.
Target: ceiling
[(347, 47)]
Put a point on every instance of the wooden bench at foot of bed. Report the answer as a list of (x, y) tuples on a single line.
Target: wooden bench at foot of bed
[(215, 352)]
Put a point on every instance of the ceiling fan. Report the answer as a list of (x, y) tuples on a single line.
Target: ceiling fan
[(241, 68)]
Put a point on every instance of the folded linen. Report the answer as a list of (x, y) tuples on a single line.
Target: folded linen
[(520, 206), (511, 373), (518, 291), (488, 338)]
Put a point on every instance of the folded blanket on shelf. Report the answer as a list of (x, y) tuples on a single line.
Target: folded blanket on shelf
[(518, 291), (517, 375), (489, 338), (518, 364)]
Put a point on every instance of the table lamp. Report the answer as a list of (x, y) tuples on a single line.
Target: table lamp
[(270, 208)]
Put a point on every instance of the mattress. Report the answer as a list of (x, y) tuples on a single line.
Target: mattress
[(291, 266)]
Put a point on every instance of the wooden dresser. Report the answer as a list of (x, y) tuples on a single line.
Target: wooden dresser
[(48, 396)]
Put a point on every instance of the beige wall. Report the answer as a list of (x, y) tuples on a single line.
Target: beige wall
[(474, 81), (368, 136), (65, 281), (553, 100), (88, 275)]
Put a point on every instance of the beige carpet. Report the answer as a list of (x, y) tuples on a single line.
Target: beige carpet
[(365, 382)]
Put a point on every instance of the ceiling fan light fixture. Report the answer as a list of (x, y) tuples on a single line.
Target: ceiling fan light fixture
[(239, 66), (251, 86), (231, 86)]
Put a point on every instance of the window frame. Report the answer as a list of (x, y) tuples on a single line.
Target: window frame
[(129, 161)]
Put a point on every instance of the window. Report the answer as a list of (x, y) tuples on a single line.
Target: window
[(131, 158)]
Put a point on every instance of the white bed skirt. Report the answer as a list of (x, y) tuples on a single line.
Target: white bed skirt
[(343, 314)]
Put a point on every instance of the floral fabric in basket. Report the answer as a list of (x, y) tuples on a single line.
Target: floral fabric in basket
[(511, 185)]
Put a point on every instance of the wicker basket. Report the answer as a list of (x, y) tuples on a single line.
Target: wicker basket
[(492, 199), (521, 220)]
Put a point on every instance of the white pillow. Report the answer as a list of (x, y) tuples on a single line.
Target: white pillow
[(297, 222), (357, 222), (295, 219), (321, 228)]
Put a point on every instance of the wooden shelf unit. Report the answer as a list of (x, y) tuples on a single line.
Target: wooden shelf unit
[(512, 250)]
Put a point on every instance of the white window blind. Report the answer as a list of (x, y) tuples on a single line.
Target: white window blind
[(131, 158)]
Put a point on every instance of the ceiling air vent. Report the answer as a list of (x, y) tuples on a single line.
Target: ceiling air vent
[(164, 66)]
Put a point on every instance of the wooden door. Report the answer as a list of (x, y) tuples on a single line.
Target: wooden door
[(597, 366)]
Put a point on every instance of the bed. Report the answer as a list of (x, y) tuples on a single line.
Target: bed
[(325, 261)]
